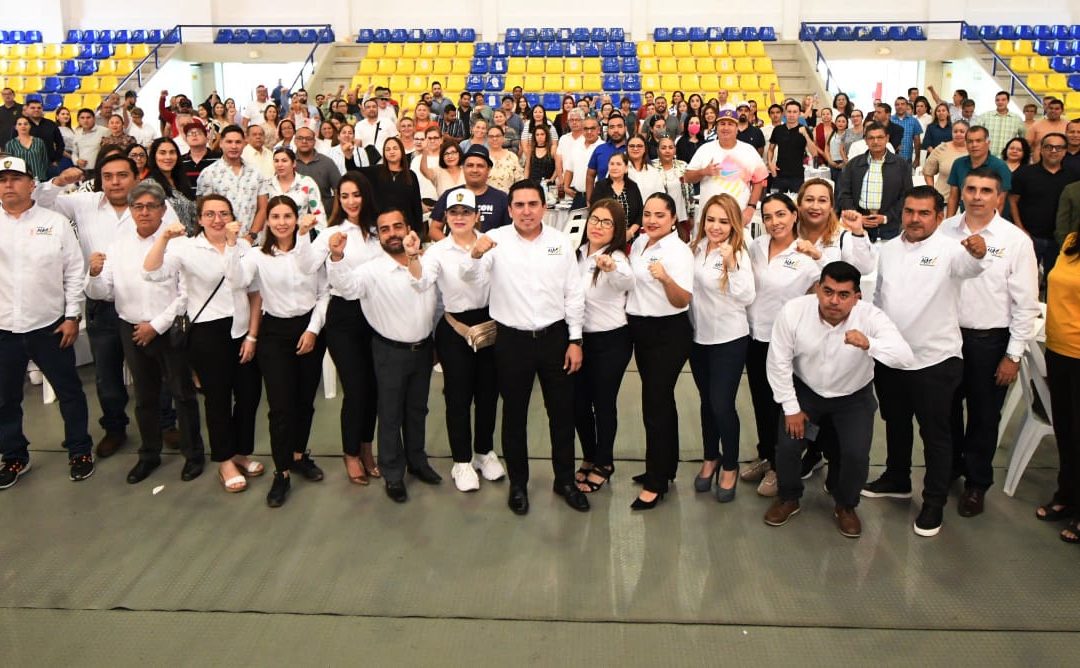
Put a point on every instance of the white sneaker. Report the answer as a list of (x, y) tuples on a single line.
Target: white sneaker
[(465, 478), (489, 466), (768, 485)]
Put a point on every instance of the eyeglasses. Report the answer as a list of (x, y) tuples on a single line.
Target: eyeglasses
[(299, 138), (1053, 147), (602, 223), (220, 215), (592, 128), (451, 152), (152, 206)]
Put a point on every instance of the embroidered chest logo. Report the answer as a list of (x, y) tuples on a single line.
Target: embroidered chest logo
[(996, 251), (42, 231), (791, 262), (554, 250), (926, 261)]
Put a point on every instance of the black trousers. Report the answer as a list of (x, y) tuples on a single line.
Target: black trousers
[(469, 384), (925, 394), (853, 418), (149, 366), (521, 358), (348, 338), (291, 382), (767, 412), (1063, 378), (605, 356), (974, 444), (404, 377), (661, 348), (58, 366), (717, 372), (231, 390)]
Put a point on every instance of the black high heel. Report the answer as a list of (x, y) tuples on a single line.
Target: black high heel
[(638, 504), (705, 484), (604, 472)]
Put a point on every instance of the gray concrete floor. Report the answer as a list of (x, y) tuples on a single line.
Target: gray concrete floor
[(102, 572)]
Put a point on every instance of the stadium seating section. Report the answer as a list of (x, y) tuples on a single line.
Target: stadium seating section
[(1044, 56)]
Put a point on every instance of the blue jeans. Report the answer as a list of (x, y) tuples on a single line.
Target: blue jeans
[(58, 365), (717, 371)]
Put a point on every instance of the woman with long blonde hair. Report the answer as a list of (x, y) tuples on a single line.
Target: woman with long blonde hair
[(823, 237)]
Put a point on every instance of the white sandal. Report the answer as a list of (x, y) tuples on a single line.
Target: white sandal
[(253, 469), (233, 485)]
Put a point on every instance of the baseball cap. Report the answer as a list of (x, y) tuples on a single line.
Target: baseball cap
[(12, 164), (742, 105), (478, 150), (727, 115), (194, 125), (461, 197)]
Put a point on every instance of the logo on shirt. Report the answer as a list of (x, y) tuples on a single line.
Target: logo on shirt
[(925, 261), (998, 252), (718, 265), (554, 250), (42, 230), (791, 262)]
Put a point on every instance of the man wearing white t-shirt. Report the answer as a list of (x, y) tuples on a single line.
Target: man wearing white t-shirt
[(372, 130), (730, 166), (576, 168), (568, 143), (254, 111)]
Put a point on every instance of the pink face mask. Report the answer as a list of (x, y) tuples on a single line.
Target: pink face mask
[(694, 128)]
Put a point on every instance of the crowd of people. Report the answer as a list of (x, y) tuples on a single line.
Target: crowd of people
[(224, 251)]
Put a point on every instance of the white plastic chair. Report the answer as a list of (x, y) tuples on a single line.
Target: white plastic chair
[(575, 226), (1035, 428), (1012, 398)]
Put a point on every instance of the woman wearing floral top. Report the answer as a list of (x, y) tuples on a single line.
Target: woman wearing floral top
[(506, 167), (672, 170), (117, 136), (301, 189)]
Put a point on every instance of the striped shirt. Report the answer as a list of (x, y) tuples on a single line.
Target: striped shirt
[(1002, 128), (36, 157)]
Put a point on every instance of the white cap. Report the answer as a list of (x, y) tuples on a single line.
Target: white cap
[(13, 164), (461, 197)]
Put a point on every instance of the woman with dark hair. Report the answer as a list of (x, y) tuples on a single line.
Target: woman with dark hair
[(219, 118), (782, 271), (656, 309), (327, 138), (521, 108), (1016, 153), (672, 173), (618, 187), (691, 138), (29, 148), (286, 131), (537, 118), (506, 167), (163, 168), (606, 277), (270, 124), (540, 160), (694, 105), (940, 129), (922, 112), (302, 189), (395, 186), (117, 136), (348, 334), (562, 123), (291, 350), (723, 288), (640, 168), (710, 116), (842, 104), (222, 338), (449, 173), (836, 145), (138, 155)]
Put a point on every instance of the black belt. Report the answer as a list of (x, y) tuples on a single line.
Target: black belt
[(532, 333), (984, 333), (412, 347)]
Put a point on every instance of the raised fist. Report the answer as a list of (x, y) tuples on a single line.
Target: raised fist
[(232, 231), (656, 269), (336, 244), (605, 263), (975, 245), (175, 230), (482, 245), (807, 247), (307, 222), (97, 261), (854, 337), (68, 176), (411, 242)]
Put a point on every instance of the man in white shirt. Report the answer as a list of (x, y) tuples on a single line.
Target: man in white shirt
[(88, 137), (568, 143), (143, 134), (730, 166), (254, 111), (997, 314), (256, 153), (402, 316), (373, 130), (576, 167), (538, 302), (146, 310), (41, 277), (820, 366), (919, 278)]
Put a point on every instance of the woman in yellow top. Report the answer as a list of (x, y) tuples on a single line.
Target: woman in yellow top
[(1063, 377)]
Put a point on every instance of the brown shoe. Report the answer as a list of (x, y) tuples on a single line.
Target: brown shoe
[(368, 459), (110, 443), (847, 521), (170, 438), (781, 511), (971, 503)]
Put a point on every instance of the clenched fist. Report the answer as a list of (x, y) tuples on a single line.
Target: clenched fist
[(808, 248), (307, 222), (411, 242), (175, 230), (605, 263), (854, 337), (482, 245), (97, 261), (656, 269), (68, 176), (232, 231), (975, 245), (336, 244)]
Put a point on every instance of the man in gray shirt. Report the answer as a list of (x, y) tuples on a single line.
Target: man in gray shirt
[(318, 167)]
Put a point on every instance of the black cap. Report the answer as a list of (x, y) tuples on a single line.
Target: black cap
[(478, 150)]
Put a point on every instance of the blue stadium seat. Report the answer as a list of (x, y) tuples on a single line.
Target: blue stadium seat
[(452, 35), (120, 37), (464, 35), (863, 34), (844, 34), (137, 37), (365, 36), (154, 36), (630, 65), (1062, 64), (767, 34), (895, 33), (416, 35), (1074, 32), (87, 37), (590, 50), (33, 37), (530, 35), (275, 36), (631, 82), (573, 49), (551, 101), (382, 35), (399, 36), (825, 34), (661, 35), (714, 34), (808, 33), (1074, 80), (612, 82), (564, 35), (290, 36), (50, 85), (479, 66), (432, 35), (878, 33), (172, 36), (680, 34), (88, 66), (494, 83), (616, 35), (970, 31), (86, 52), (609, 50), (103, 37), (1044, 32), (69, 84), (554, 49), (731, 34), (103, 51), (474, 83), (518, 50), (546, 35), (535, 50), (599, 34), (243, 36), (482, 50), (698, 34), (33, 97), (627, 49), (532, 98), (1066, 48), (223, 36), (581, 35), (749, 34), (257, 36), (68, 68), (1006, 32), (1025, 32), (309, 36), (610, 66), (326, 35), (52, 102), (500, 50), (988, 32), (1046, 48), (513, 35), (73, 37), (1061, 32), (498, 66), (915, 33)]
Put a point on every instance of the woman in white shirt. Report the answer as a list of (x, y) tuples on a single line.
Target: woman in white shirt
[(819, 225), (656, 309), (782, 271), (221, 342), (291, 350), (606, 277), (648, 178), (723, 288), (347, 332), (302, 189)]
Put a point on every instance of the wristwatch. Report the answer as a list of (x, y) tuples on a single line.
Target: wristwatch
[(576, 342), (73, 318), (1015, 359)]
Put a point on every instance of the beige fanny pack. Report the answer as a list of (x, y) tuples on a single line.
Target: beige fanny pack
[(477, 337)]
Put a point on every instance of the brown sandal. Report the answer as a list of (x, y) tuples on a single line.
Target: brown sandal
[(369, 461), (361, 478)]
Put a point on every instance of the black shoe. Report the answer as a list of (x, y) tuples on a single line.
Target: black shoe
[(193, 468), (279, 490), (426, 474), (971, 503), (884, 487), (519, 500), (81, 467), (811, 462), (141, 470), (928, 523), (306, 467), (638, 504), (10, 472), (395, 489), (573, 496)]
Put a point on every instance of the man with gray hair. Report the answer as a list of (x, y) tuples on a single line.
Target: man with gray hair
[(568, 143), (147, 310)]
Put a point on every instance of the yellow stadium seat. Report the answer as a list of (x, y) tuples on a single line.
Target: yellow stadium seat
[(15, 67), (387, 66), (571, 83), (509, 82), (1025, 47), (681, 49), (122, 50), (553, 83), (755, 49), (417, 84), (591, 66), (1037, 83), (34, 84), (14, 83), (52, 67), (124, 67), (369, 66), (359, 81), (399, 82), (89, 85), (447, 50), (534, 66), (718, 49), (553, 66), (393, 51), (572, 66), (106, 67), (50, 51), (744, 65), (767, 80), (140, 51), (668, 66), (423, 66), (460, 66), (1041, 64), (1005, 47), (669, 82), (592, 82), (663, 49), (16, 51), (411, 50), (699, 49), (442, 66), (533, 82), (516, 66), (465, 50), (1020, 64), (763, 65), (648, 66), (429, 50), (725, 65), (689, 82), (730, 81), (73, 101), (736, 49), (1072, 100), (376, 50), (108, 84), (687, 66), (1057, 81), (69, 51), (650, 82), (710, 82), (455, 83), (34, 51), (646, 49), (749, 82), (405, 66), (33, 67), (705, 65)]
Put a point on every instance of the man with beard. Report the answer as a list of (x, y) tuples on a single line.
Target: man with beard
[(749, 133)]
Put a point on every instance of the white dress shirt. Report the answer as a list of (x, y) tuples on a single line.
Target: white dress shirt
[(605, 299), (287, 292), (718, 314), (857, 251), (1007, 293), (787, 276), (805, 345), (314, 255), (579, 163), (262, 161), (648, 297), (918, 286), (121, 281), (97, 223), (374, 134), (534, 283), (41, 270), (399, 307), (200, 267), (441, 266)]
